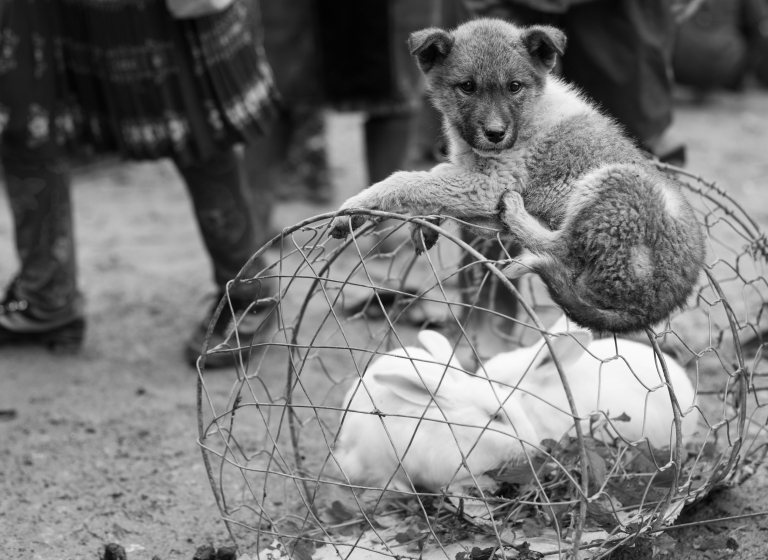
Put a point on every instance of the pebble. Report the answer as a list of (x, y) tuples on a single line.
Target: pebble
[(114, 552)]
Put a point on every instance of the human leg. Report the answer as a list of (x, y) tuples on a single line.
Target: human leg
[(231, 238), (222, 214), (387, 142), (42, 305), (619, 52), (263, 161)]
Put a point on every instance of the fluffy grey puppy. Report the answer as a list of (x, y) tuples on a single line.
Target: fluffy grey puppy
[(614, 240)]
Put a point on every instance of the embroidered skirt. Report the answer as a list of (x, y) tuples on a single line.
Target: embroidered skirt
[(131, 79)]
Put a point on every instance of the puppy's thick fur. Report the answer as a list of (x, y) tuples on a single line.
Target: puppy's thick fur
[(614, 239)]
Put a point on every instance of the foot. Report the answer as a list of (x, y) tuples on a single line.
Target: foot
[(61, 330), (254, 322), (667, 147)]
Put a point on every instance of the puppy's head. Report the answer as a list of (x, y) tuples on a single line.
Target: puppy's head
[(486, 75)]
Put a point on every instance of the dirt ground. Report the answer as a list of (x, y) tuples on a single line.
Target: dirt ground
[(103, 445)]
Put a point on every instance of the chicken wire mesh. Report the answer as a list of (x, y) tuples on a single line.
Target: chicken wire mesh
[(404, 406)]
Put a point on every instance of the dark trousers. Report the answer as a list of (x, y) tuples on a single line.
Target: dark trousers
[(618, 52), (39, 193)]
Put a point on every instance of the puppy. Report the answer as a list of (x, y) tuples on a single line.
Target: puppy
[(614, 240)]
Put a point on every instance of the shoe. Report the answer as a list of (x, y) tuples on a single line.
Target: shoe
[(675, 156), (254, 322), (668, 148), (60, 331)]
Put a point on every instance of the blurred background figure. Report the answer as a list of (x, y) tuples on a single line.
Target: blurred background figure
[(348, 56), (343, 56), (135, 79), (431, 147), (722, 45)]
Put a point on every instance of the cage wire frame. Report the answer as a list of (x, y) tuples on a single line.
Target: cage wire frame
[(316, 255)]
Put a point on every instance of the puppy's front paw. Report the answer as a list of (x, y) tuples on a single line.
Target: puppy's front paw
[(511, 207), (341, 226), (424, 238)]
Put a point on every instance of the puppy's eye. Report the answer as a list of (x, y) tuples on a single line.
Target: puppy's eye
[(515, 87), (467, 87), (498, 417)]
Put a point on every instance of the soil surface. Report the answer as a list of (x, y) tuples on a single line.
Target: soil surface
[(102, 447)]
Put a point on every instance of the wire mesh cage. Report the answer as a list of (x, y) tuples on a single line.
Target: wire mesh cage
[(425, 406)]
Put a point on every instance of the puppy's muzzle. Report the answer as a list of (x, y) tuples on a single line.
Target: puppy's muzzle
[(495, 135)]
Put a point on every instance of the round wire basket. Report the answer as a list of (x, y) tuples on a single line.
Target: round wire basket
[(356, 421)]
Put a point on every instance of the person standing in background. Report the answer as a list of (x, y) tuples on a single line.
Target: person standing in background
[(344, 55), (148, 79), (722, 45)]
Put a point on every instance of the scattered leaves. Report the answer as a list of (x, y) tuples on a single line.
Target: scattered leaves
[(415, 537), (549, 445), (303, 550), (708, 450), (634, 491), (529, 497), (645, 459), (339, 513), (385, 521), (520, 474), (524, 552), (662, 544), (407, 536), (289, 529), (597, 469), (476, 554), (601, 513), (532, 528)]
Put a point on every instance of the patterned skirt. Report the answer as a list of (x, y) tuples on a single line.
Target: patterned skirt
[(131, 79)]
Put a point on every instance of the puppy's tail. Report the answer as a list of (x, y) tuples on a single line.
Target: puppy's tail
[(576, 302)]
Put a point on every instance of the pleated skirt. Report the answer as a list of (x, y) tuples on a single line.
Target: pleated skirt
[(131, 79)]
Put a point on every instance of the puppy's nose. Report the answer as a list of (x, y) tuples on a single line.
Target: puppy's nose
[(495, 135)]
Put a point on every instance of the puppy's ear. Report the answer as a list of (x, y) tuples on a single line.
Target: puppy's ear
[(430, 46), (544, 43)]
